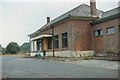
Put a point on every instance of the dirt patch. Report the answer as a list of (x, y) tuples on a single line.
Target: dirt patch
[(62, 59)]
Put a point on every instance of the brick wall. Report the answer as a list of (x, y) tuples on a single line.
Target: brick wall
[(106, 43), (79, 35), (82, 37), (58, 30)]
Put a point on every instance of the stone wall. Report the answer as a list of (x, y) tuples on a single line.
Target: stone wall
[(71, 53)]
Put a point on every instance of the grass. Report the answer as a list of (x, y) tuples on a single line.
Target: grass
[(64, 59), (56, 58), (18, 54)]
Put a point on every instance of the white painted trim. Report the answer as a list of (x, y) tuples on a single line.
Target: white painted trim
[(41, 36), (68, 53), (71, 53), (35, 45), (33, 54), (31, 47)]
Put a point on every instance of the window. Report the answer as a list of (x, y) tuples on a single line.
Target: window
[(49, 42), (98, 32), (64, 40), (56, 41), (110, 30)]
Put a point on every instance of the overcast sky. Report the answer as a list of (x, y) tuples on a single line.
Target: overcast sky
[(19, 18)]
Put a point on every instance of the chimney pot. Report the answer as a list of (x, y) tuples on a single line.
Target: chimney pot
[(48, 19), (93, 7)]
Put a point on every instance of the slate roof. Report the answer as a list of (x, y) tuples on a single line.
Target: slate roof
[(110, 12), (108, 15), (81, 10)]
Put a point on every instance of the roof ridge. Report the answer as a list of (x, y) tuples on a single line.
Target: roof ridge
[(84, 4), (76, 11), (72, 9)]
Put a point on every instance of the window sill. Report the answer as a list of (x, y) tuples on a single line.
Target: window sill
[(66, 48), (99, 36), (57, 48), (110, 34), (48, 49)]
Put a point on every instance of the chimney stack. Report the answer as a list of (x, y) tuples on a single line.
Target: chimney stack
[(48, 19), (93, 7)]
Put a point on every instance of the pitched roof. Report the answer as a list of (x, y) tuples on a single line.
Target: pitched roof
[(81, 10), (110, 12), (108, 15)]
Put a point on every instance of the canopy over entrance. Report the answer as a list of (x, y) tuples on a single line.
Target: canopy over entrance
[(40, 36)]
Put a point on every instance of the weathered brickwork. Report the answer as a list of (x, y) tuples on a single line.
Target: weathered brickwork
[(106, 42), (58, 30), (87, 31), (81, 35)]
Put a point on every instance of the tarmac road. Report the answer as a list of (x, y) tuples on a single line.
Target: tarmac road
[(18, 67)]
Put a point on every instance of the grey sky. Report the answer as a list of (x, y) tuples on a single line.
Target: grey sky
[(18, 18)]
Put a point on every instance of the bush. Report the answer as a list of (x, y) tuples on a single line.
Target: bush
[(25, 48), (12, 48)]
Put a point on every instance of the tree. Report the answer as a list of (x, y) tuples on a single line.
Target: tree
[(0, 48), (12, 48), (25, 47), (4, 50)]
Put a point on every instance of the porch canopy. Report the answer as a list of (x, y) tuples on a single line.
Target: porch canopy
[(41, 36)]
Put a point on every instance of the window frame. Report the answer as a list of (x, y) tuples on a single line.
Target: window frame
[(109, 31), (49, 43), (64, 40), (56, 41), (99, 33)]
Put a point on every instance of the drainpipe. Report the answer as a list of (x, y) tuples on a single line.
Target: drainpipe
[(118, 43), (53, 40)]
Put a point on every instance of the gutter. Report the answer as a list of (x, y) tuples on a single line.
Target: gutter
[(69, 17)]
